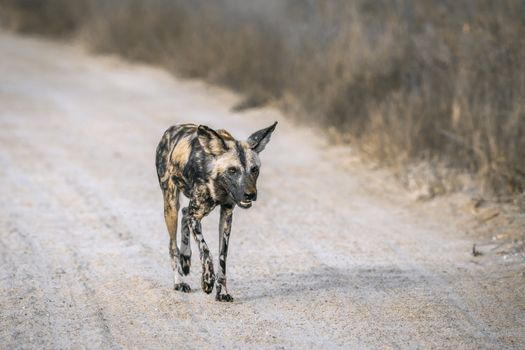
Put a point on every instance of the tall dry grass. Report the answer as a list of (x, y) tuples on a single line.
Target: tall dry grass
[(405, 81)]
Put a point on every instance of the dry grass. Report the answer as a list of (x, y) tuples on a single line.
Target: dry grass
[(404, 81)]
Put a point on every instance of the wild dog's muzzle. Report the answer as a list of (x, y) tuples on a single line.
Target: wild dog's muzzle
[(248, 198)]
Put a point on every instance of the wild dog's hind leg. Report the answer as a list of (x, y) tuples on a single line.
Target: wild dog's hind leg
[(191, 223), (225, 226), (185, 248), (171, 213)]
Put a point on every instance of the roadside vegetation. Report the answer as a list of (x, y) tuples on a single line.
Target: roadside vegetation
[(405, 82)]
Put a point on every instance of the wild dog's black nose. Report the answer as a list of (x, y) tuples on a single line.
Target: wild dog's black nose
[(250, 196)]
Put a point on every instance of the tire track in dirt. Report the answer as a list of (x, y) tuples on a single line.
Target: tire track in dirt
[(54, 271)]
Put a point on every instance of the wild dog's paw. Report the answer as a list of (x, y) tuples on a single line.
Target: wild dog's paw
[(224, 297), (182, 287), (184, 264), (208, 276), (207, 283)]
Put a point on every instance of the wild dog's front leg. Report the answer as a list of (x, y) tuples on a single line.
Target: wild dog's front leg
[(224, 236), (191, 222)]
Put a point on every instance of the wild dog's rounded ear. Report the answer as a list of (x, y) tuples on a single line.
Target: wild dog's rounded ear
[(211, 141), (259, 139)]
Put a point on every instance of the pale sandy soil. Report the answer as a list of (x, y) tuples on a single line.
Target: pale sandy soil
[(327, 257)]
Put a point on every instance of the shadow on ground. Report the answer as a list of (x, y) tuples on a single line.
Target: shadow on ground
[(325, 278)]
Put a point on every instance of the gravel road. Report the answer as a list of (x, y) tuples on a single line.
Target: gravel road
[(326, 258)]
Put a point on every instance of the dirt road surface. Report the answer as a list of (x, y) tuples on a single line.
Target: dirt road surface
[(322, 260)]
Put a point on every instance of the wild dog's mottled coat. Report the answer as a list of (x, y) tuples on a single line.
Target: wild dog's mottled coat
[(210, 168)]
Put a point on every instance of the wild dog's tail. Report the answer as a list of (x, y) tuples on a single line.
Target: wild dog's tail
[(161, 156)]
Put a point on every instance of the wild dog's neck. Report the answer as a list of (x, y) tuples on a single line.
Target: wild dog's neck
[(217, 192)]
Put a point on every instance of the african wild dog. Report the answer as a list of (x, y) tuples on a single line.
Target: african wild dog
[(210, 168)]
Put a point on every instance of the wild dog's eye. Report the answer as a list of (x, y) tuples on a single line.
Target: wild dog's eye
[(254, 169), (233, 170)]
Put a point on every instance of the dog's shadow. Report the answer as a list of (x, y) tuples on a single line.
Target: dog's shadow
[(325, 278)]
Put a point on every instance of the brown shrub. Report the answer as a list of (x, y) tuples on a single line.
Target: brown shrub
[(405, 81)]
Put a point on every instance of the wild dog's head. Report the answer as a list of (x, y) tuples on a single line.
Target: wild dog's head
[(236, 165)]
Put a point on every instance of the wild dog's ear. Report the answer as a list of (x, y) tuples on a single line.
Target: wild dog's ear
[(259, 139), (211, 142)]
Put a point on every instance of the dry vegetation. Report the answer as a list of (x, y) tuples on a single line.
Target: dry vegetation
[(405, 81)]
